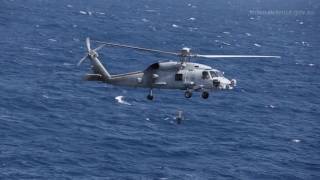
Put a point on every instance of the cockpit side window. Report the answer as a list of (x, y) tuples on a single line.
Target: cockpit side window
[(205, 75), (213, 74), (216, 74)]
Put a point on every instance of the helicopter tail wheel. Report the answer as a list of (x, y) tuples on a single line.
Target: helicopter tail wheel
[(205, 95), (188, 94)]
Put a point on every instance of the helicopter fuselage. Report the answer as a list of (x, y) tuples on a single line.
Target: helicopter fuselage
[(174, 75), (182, 75)]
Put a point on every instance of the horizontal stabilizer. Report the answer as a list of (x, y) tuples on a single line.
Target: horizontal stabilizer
[(93, 77)]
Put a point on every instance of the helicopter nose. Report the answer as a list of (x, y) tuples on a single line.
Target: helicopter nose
[(224, 83), (227, 84), (231, 84)]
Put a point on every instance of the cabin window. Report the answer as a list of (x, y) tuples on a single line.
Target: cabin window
[(205, 75), (178, 77)]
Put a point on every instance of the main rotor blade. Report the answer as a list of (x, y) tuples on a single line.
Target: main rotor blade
[(98, 48), (233, 56), (137, 48), (88, 44), (82, 59)]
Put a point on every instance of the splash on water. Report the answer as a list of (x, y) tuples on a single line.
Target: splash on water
[(120, 99)]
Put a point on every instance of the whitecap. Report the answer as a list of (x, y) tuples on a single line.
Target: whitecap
[(144, 20), (52, 40), (89, 13), (192, 19), (83, 12), (175, 26), (30, 48), (69, 6), (311, 64), (121, 101), (226, 32), (226, 43), (248, 34), (304, 43), (301, 22), (270, 106), (192, 29), (150, 10), (257, 45), (45, 96), (148, 119), (296, 140)]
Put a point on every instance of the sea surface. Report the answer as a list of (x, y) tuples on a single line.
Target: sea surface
[(54, 125)]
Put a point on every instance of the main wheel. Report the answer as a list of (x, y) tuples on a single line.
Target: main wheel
[(205, 95), (150, 97), (188, 94)]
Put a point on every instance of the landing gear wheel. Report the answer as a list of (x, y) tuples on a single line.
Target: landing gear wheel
[(188, 94), (150, 97), (205, 95)]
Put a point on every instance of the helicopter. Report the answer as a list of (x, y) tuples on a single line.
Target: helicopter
[(181, 75)]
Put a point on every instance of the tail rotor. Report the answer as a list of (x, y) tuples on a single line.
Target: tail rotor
[(92, 53)]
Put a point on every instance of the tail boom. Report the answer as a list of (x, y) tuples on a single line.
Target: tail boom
[(100, 68)]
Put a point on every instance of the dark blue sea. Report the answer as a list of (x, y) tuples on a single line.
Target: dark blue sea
[(54, 125)]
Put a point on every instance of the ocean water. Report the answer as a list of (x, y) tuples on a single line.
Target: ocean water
[(54, 125)]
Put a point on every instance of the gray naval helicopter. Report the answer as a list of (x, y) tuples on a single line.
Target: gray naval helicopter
[(182, 75)]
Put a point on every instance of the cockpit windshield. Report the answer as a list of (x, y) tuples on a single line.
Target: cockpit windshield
[(216, 74)]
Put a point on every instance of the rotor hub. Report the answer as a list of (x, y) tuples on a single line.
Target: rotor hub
[(185, 52), (93, 53)]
